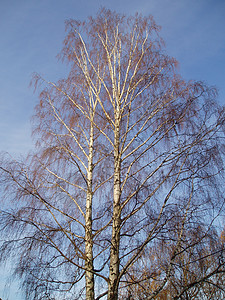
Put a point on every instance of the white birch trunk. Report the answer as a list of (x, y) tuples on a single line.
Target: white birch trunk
[(89, 275), (115, 243)]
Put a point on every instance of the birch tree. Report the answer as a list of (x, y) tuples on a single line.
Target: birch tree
[(128, 156)]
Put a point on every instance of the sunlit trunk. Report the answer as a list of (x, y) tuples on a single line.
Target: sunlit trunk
[(89, 275), (115, 242)]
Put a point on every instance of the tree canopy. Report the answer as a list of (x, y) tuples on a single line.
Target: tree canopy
[(124, 194)]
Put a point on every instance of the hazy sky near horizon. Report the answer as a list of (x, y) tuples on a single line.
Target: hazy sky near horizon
[(31, 36)]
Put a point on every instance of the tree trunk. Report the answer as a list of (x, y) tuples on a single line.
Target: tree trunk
[(115, 244), (89, 275)]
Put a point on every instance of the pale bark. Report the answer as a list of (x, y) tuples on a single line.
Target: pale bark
[(89, 275), (115, 241), (124, 141)]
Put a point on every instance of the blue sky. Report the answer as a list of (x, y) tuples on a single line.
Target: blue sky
[(32, 32), (31, 35)]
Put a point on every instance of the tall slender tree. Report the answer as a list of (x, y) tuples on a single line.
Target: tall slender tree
[(129, 159)]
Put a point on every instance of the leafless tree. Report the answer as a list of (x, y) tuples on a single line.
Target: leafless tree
[(198, 268), (129, 160)]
